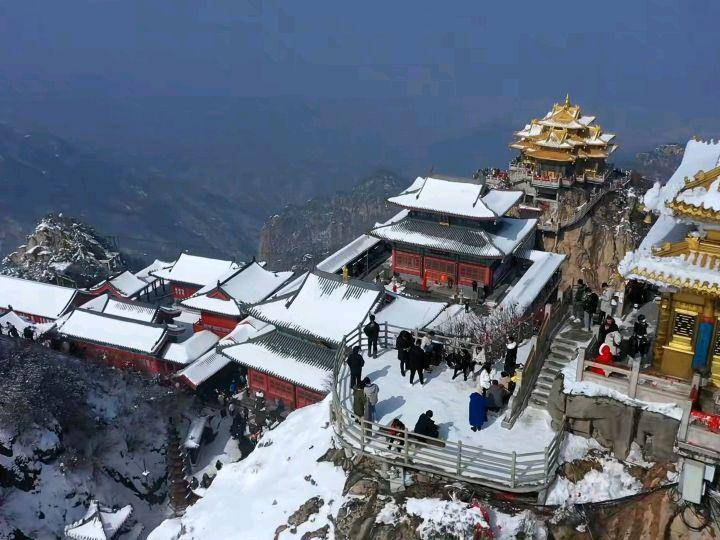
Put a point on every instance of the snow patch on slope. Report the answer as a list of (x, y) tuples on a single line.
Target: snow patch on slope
[(252, 498)]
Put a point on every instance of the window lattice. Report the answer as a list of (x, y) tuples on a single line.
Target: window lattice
[(716, 348), (684, 325)]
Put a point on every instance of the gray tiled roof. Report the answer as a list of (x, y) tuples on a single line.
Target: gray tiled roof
[(298, 349), (492, 241)]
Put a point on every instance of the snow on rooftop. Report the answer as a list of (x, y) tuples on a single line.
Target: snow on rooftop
[(528, 287), (401, 311), (269, 493), (192, 348), (128, 284), (324, 307), (13, 318), (109, 330), (121, 308), (290, 287), (698, 156), (213, 361), (195, 270), (287, 357), (254, 283), (456, 197), (34, 297), (157, 264), (99, 523), (204, 302), (701, 197), (345, 255)]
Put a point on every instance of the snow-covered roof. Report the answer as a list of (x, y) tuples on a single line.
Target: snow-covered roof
[(34, 297), (192, 348), (126, 309), (528, 287), (401, 311), (13, 318), (248, 285), (99, 523), (113, 331), (287, 357), (698, 156), (157, 264), (195, 270), (457, 197), (492, 240), (125, 283), (213, 361), (325, 307), (348, 253), (290, 287), (702, 197)]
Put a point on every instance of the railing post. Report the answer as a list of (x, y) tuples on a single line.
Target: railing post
[(359, 329), (406, 450), (634, 376), (547, 459), (580, 364), (386, 334), (512, 469), (459, 458), (362, 436)]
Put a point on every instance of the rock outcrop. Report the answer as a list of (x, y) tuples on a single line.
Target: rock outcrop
[(63, 249), (302, 235)]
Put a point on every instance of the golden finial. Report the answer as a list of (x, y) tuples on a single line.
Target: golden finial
[(567, 99)]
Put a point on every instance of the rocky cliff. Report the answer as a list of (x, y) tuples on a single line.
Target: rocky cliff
[(63, 249), (302, 235)]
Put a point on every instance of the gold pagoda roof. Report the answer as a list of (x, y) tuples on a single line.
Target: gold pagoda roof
[(564, 134), (692, 264), (699, 198)]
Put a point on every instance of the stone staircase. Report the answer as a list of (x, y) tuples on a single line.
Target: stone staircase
[(562, 351)]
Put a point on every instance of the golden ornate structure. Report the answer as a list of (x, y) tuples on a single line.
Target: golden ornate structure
[(689, 271), (564, 143)]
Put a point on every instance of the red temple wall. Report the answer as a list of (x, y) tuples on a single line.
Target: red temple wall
[(180, 291), (439, 269), (123, 359), (292, 395), (222, 325)]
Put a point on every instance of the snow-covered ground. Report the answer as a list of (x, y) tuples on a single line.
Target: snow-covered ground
[(449, 400), (251, 498)]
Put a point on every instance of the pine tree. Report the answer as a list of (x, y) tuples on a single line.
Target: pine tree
[(181, 496)]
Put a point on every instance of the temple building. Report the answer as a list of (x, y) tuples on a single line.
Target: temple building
[(456, 235), (122, 285), (36, 301), (191, 273), (564, 147), (223, 304), (681, 256)]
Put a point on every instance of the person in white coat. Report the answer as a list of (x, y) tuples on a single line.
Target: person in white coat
[(478, 359), (484, 378), (605, 299), (613, 340), (371, 398)]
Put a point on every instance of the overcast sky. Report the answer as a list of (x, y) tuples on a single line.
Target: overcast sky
[(641, 65)]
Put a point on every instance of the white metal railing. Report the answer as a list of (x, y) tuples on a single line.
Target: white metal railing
[(512, 471)]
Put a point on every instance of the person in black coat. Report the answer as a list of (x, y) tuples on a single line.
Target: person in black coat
[(416, 362), (590, 305), (355, 362), (402, 344), (463, 363), (639, 342), (510, 355), (372, 331), (608, 326), (427, 426)]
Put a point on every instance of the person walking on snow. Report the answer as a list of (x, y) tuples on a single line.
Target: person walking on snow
[(510, 355), (359, 401), (371, 398), (590, 305), (484, 378), (478, 411), (416, 362), (402, 344), (355, 362), (372, 331)]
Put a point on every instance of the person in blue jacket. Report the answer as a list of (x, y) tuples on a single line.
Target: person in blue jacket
[(478, 411)]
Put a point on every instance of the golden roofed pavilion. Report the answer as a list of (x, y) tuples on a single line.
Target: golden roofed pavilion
[(565, 142)]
